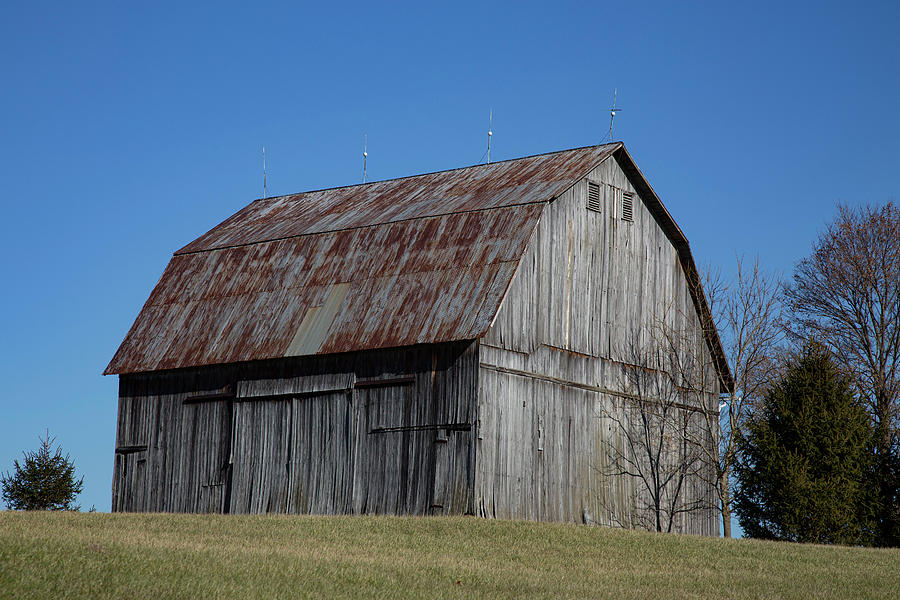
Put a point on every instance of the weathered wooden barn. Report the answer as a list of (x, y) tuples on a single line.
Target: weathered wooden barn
[(447, 343)]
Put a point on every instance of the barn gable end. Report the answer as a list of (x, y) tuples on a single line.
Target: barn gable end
[(594, 282)]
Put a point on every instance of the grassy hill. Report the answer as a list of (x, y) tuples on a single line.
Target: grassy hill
[(77, 555)]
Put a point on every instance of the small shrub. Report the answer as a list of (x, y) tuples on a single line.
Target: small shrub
[(45, 481)]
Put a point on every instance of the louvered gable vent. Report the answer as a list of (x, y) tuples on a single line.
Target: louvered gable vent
[(593, 202), (628, 206)]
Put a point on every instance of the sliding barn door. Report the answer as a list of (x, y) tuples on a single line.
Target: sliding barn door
[(204, 466), (406, 460), (261, 464), (292, 454), (130, 480), (389, 470), (321, 478), (374, 449)]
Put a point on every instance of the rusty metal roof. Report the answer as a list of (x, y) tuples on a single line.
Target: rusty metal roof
[(495, 185), (422, 259)]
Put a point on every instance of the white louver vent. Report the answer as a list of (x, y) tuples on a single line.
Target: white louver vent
[(628, 206), (593, 202)]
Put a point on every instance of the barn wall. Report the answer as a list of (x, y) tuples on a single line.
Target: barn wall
[(371, 432), (589, 298)]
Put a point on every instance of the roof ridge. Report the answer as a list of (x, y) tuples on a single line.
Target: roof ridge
[(222, 235), (496, 162)]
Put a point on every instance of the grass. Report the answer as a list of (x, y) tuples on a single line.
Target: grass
[(78, 555)]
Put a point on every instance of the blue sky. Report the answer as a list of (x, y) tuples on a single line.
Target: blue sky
[(129, 130)]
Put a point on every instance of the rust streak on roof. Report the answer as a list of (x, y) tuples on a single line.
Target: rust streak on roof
[(420, 281), (470, 189), (421, 259)]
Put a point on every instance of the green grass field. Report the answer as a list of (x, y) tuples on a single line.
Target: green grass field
[(78, 555)]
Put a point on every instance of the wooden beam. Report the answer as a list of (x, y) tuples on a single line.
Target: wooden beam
[(594, 388), (226, 394), (368, 383)]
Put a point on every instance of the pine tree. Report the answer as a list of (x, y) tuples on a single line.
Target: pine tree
[(46, 481), (806, 460)]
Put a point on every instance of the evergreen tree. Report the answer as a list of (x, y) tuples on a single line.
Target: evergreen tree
[(806, 459), (847, 293), (46, 481)]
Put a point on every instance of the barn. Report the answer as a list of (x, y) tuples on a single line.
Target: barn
[(447, 343)]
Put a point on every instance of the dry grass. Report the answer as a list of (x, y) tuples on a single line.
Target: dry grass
[(74, 555)]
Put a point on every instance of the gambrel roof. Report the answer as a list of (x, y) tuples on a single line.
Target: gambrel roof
[(422, 259)]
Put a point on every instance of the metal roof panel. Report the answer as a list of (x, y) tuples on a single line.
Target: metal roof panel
[(420, 281), (495, 185)]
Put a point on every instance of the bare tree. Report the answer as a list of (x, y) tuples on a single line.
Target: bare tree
[(675, 379), (748, 315), (847, 293), (658, 440)]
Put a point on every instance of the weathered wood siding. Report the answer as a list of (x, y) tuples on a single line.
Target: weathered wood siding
[(588, 291), (371, 432)]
